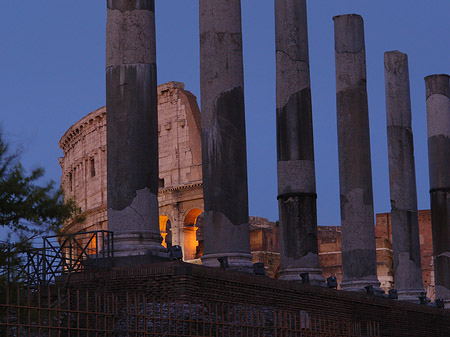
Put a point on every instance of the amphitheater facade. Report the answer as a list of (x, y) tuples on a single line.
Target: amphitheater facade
[(180, 170)]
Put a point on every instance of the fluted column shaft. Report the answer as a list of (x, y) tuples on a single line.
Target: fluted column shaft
[(132, 137), (438, 126), (402, 178), (224, 154), (295, 145), (355, 171)]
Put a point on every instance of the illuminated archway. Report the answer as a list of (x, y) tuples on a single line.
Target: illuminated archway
[(164, 229), (190, 237)]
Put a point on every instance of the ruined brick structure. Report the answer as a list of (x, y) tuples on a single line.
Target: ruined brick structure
[(383, 230), (331, 260)]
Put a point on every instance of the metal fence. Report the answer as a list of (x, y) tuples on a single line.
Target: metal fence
[(59, 256), (52, 311)]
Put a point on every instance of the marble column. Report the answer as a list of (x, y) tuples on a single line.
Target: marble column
[(359, 262), (438, 125), (295, 145), (224, 154), (132, 120), (402, 178)]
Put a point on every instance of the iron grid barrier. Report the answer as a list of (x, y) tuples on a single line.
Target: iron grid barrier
[(55, 311), (59, 256)]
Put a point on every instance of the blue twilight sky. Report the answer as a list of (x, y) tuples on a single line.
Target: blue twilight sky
[(52, 56)]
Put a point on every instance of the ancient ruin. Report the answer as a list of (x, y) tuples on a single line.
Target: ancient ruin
[(180, 192), (224, 147), (84, 179), (214, 225), (438, 126), (355, 169), (132, 136), (402, 178), (295, 145)]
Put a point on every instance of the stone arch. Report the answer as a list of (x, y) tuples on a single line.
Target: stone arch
[(165, 228), (190, 228)]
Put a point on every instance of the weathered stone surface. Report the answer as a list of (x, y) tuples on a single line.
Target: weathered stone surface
[(295, 145), (438, 125), (355, 172), (130, 5), (132, 133), (132, 136), (224, 155), (129, 35), (402, 178)]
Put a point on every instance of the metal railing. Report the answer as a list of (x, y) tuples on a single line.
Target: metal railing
[(59, 256)]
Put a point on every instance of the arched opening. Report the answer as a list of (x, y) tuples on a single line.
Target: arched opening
[(165, 230), (190, 237)]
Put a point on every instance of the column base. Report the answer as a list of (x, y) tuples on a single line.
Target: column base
[(359, 285), (236, 261), (293, 274), (443, 293), (411, 296), (139, 243)]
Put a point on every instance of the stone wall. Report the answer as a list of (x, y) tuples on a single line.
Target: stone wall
[(84, 169)]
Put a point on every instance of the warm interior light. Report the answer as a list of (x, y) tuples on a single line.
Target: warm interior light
[(190, 238), (162, 228)]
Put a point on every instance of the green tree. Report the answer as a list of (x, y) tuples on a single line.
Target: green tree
[(27, 208)]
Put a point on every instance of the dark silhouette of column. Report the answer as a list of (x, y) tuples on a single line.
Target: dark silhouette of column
[(295, 145), (402, 178), (132, 136), (438, 125), (224, 154), (359, 262)]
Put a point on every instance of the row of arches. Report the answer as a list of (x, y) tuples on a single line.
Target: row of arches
[(191, 238)]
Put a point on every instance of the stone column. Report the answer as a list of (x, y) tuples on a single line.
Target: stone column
[(438, 121), (223, 135), (295, 145), (132, 136), (402, 178), (359, 261)]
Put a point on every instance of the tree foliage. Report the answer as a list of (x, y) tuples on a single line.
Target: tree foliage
[(27, 207)]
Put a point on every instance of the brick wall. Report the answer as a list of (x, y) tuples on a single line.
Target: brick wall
[(176, 280)]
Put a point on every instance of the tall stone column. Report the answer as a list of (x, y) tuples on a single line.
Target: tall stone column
[(438, 121), (224, 153), (402, 178), (359, 261), (295, 145), (132, 120)]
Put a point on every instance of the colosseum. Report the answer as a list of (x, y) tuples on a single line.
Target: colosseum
[(181, 192)]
